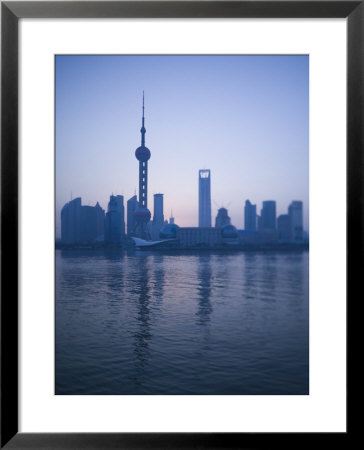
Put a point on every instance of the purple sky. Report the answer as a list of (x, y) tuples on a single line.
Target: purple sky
[(243, 117)]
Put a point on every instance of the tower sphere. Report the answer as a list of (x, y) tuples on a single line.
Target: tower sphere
[(142, 153), (142, 213)]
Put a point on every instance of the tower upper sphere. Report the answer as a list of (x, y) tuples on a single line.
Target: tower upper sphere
[(142, 153)]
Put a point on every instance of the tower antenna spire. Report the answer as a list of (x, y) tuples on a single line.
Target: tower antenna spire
[(143, 130)]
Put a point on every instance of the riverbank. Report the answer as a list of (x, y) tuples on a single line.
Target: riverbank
[(281, 247)]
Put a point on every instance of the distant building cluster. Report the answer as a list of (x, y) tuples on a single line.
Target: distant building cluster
[(266, 227), (82, 224)]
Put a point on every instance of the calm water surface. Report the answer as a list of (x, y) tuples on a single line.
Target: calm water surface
[(150, 323)]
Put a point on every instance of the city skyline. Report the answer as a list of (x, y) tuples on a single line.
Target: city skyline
[(98, 122)]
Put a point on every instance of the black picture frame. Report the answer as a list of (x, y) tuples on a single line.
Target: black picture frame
[(11, 12)]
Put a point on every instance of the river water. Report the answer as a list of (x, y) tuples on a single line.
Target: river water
[(193, 323)]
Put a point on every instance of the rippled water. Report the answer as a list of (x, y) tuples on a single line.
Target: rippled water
[(150, 323)]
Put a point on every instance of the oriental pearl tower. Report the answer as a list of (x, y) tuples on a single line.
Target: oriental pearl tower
[(142, 214)]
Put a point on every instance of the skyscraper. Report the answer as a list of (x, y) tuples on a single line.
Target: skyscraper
[(284, 228), (92, 223), (204, 198), (295, 212), (131, 206), (268, 215), (115, 221), (158, 217), (71, 221), (250, 216), (142, 213)]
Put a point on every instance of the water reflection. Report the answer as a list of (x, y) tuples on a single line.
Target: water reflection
[(142, 334), (296, 274), (158, 278), (204, 276), (250, 274), (176, 324), (269, 272), (114, 279)]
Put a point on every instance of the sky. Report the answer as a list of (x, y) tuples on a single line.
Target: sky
[(244, 117)]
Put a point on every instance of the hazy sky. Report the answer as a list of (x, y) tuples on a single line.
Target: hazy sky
[(243, 117)]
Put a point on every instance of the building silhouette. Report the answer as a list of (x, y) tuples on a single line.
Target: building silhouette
[(71, 221), (131, 206), (92, 224), (142, 214), (204, 198), (268, 215), (259, 221), (250, 216), (81, 224), (115, 220), (169, 230), (171, 219), (158, 216), (295, 212), (222, 218), (284, 228)]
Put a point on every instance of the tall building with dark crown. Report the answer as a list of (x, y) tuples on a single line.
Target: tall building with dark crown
[(250, 216), (204, 198), (142, 214), (268, 215)]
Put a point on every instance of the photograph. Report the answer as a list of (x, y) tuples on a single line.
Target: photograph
[(181, 224)]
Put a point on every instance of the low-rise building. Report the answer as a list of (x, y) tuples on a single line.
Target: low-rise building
[(198, 236)]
